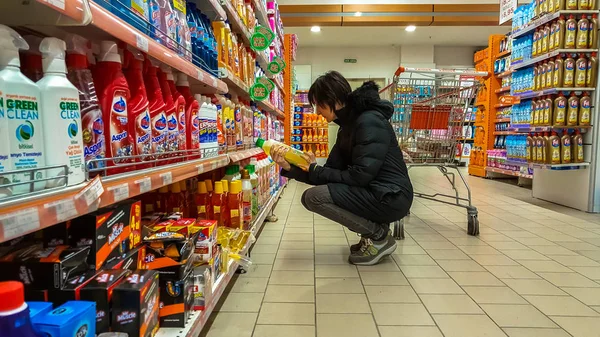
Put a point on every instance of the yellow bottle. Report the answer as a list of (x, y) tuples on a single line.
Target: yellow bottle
[(569, 72), (292, 156), (553, 149), (572, 110), (577, 147), (560, 110), (580, 71), (583, 27), (585, 106), (570, 32), (565, 149)]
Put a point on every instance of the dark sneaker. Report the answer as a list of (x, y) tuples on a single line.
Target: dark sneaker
[(373, 251), (356, 247)]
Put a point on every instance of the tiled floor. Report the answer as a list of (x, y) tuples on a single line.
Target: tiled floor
[(534, 271)]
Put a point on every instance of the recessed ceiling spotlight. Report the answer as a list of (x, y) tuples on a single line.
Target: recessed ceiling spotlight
[(315, 29), (410, 28), (358, 14)]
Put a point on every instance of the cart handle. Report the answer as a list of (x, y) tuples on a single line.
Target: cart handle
[(401, 70)]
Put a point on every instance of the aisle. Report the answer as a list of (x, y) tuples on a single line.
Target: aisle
[(534, 271)]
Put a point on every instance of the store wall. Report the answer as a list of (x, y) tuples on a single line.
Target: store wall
[(454, 57)]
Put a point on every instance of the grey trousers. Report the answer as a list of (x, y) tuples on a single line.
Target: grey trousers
[(318, 199)]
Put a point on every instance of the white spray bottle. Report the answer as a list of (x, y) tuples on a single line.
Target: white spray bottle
[(62, 116), (21, 134)]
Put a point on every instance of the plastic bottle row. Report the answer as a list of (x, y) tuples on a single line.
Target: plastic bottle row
[(550, 148), (499, 142), (320, 150), (525, 14), (310, 135), (557, 111), (309, 119), (569, 34)]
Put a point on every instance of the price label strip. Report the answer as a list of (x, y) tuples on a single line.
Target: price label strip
[(167, 178), (120, 192), (141, 42), (20, 223), (64, 209), (92, 192), (145, 184)]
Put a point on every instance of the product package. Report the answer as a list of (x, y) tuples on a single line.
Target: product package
[(38, 308), (75, 318), (176, 301), (100, 290), (133, 260), (202, 286), (206, 245), (56, 235), (71, 290), (135, 304), (110, 232)]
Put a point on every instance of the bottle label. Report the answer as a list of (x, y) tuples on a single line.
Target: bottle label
[(71, 115), (195, 132), (159, 133), (572, 112), (569, 73), (566, 150), (217, 209), (555, 151), (582, 34), (92, 127), (143, 134), (119, 138), (570, 34), (173, 133), (585, 112), (201, 209), (182, 127)]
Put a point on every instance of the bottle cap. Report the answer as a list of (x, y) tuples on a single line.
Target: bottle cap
[(245, 174), (77, 49), (10, 43), (12, 294), (218, 187), (236, 187), (175, 188), (225, 186), (53, 55), (109, 52), (202, 187), (260, 142), (182, 80), (209, 186), (164, 189)]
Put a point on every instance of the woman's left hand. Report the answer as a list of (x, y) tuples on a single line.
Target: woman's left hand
[(310, 158)]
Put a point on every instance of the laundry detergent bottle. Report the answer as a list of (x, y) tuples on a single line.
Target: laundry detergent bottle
[(62, 117), (21, 131), (92, 124), (158, 117), (138, 105), (180, 105), (171, 113), (192, 117), (14, 312), (113, 92)]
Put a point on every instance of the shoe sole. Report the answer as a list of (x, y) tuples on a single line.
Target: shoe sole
[(376, 260)]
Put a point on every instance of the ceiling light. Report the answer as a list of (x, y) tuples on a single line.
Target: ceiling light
[(358, 14), (315, 29), (410, 28)]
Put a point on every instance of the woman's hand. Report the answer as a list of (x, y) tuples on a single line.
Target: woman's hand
[(310, 158), (278, 155)]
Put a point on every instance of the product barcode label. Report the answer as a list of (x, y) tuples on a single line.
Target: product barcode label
[(60, 4), (92, 192), (200, 74), (65, 209), (19, 223), (200, 168), (145, 184), (120, 192), (167, 178), (141, 42)]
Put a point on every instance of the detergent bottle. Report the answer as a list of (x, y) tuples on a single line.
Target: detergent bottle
[(572, 110), (292, 156), (577, 145), (225, 215), (62, 117), (583, 27), (569, 72), (592, 67), (580, 71), (14, 312), (21, 127), (92, 124), (558, 72), (180, 105), (113, 92), (585, 106), (565, 148), (170, 113), (570, 32), (192, 119), (235, 204), (554, 149), (156, 105), (31, 59), (138, 105), (246, 200)]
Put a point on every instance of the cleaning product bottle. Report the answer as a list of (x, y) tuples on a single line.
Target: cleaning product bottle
[(528, 151), (547, 119), (558, 72), (113, 92), (21, 127), (140, 126), (592, 67), (585, 106), (201, 201), (569, 72), (534, 152), (560, 110), (225, 215), (31, 59), (156, 105), (192, 120), (545, 38), (570, 32), (170, 113), (559, 35), (254, 181), (537, 112), (593, 35), (572, 4), (234, 203), (572, 110), (580, 71), (577, 146), (62, 117), (14, 312), (549, 73), (292, 156), (542, 74), (163, 199), (92, 124), (583, 27), (565, 148), (559, 5), (545, 141), (554, 149), (217, 203), (553, 29), (246, 199), (583, 5)]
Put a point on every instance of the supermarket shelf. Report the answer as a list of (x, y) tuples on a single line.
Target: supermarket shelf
[(198, 319), (505, 74), (547, 18), (502, 120), (241, 155), (508, 172), (106, 21), (310, 127), (234, 83), (504, 53), (504, 105), (302, 104), (267, 106), (502, 90), (261, 13), (212, 6), (323, 142), (502, 133), (549, 55), (573, 166), (516, 163), (279, 84), (526, 129), (466, 139), (552, 91)]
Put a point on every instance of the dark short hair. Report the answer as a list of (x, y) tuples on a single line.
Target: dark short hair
[(329, 89)]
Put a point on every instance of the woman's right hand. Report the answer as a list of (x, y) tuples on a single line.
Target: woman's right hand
[(278, 155)]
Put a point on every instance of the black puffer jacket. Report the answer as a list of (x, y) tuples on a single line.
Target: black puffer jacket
[(365, 171)]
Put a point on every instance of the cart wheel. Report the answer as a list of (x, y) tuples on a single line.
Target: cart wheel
[(398, 229), (472, 221), (241, 270), (271, 218)]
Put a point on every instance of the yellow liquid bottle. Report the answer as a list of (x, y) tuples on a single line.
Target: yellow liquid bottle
[(292, 156)]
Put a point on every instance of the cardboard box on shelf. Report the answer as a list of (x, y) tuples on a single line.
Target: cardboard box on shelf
[(176, 301), (136, 304), (100, 290), (71, 290)]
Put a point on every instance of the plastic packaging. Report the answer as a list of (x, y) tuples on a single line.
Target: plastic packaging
[(235, 204), (31, 59), (554, 149), (580, 71), (560, 110), (577, 145), (170, 113), (585, 106), (14, 312), (246, 200), (192, 119), (592, 70), (569, 72), (158, 118), (572, 110), (570, 32), (180, 105), (292, 156), (583, 27), (62, 117)]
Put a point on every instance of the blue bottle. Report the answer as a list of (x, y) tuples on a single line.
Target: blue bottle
[(134, 12), (14, 312)]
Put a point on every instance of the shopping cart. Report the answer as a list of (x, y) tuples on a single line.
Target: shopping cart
[(431, 107)]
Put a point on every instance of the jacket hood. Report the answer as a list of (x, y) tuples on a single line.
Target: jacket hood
[(366, 98)]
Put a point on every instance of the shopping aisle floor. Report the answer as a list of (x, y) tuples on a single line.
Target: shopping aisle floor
[(534, 271)]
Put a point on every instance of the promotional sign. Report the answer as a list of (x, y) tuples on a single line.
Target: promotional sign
[(507, 10)]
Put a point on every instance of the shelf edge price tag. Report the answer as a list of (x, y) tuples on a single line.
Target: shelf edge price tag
[(91, 192), (120, 192), (200, 168), (167, 178), (145, 184), (19, 223), (65, 209), (141, 42), (60, 4)]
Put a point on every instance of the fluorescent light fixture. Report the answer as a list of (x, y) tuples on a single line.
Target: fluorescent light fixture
[(358, 14), (315, 29), (410, 28)]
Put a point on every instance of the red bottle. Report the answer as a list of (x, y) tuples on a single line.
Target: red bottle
[(209, 190), (234, 201), (192, 120), (179, 108), (138, 105), (201, 200), (158, 118), (114, 95), (218, 202), (171, 113)]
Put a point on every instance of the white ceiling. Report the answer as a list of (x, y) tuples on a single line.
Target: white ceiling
[(387, 36)]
